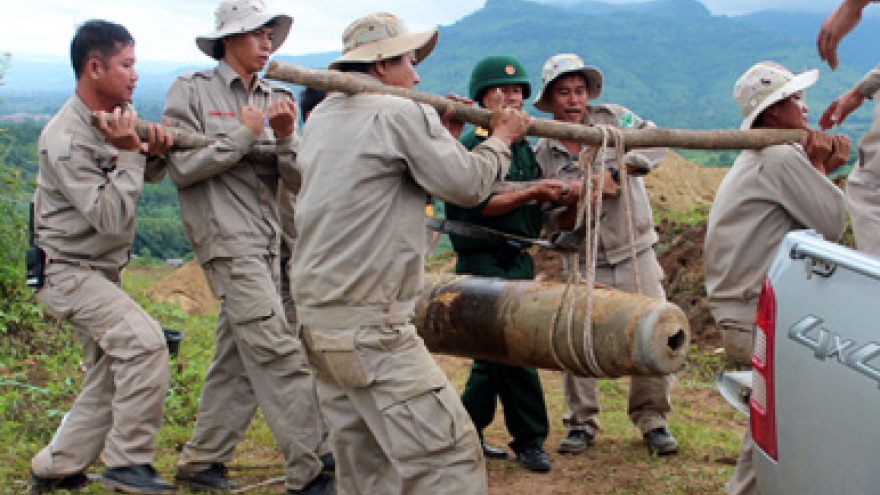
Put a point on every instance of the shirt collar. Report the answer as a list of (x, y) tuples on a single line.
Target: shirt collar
[(229, 76)]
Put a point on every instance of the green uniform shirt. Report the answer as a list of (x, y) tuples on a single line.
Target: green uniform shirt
[(493, 258)]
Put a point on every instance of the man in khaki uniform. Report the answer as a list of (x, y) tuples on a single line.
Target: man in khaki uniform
[(308, 99), (568, 85), (368, 164), (863, 183), (228, 204), (88, 185), (766, 194)]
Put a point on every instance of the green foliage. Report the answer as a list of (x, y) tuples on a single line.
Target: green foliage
[(17, 313)]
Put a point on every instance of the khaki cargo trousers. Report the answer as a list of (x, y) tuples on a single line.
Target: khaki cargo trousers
[(290, 314), (863, 191), (258, 360), (119, 409), (397, 425), (649, 396)]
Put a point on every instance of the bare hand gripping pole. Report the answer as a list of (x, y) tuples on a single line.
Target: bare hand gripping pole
[(183, 139), (634, 138)]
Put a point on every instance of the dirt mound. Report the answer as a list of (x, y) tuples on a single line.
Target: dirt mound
[(679, 184), (187, 287), (680, 252)]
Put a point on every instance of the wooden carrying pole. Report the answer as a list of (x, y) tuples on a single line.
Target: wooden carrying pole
[(331, 80), (183, 139)]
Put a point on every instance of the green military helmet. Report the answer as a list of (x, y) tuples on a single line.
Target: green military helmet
[(497, 70)]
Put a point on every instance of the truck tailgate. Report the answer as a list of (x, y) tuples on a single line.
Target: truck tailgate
[(826, 372)]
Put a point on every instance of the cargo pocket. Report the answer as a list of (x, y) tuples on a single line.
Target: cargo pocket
[(423, 426), (133, 335), (265, 333), (337, 360)]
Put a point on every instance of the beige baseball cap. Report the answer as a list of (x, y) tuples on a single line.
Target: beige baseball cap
[(382, 36), (243, 16), (566, 63), (766, 83)]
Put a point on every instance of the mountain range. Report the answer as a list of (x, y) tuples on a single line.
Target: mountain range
[(670, 61)]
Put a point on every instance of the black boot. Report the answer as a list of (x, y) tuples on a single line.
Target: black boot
[(490, 452), (534, 459), (47, 484), (661, 442), (140, 478), (321, 485), (213, 479)]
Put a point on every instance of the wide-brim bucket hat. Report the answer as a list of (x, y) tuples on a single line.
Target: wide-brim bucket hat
[(243, 16), (383, 36), (766, 83), (560, 65)]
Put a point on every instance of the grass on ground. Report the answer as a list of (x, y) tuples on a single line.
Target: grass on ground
[(40, 377)]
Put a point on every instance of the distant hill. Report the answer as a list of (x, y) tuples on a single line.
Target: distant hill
[(669, 60), (857, 50)]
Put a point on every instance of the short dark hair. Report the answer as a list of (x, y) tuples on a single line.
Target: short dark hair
[(99, 39), (363, 67), (309, 99)]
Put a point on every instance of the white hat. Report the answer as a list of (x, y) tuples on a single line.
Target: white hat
[(244, 16), (766, 83), (566, 63), (382, 36)]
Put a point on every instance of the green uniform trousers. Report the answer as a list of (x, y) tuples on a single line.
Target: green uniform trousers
[(518, 387), (522, 399)]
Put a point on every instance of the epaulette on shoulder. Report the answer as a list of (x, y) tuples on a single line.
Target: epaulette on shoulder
[(481, 132), (608, 108), (192, 74), (276, 88)]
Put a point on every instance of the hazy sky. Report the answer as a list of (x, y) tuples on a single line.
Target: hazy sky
[(165, 29)]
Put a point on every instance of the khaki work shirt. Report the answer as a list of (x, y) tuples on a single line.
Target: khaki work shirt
[(368, 164), (228, 191), (87, 192), (870, 83), (557, 163), (766, 194), (867, 169)]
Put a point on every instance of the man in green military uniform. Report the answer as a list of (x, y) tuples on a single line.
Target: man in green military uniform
[(517, 213)]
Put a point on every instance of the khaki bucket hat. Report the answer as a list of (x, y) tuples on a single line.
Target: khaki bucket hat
[(382, 36), (566, 63), (766, 83), (243, 16)]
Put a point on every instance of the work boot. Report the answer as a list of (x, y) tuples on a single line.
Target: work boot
[(490, 452), (213, 479), (328, 462), (47, 484), (141, 478), (534, 459), (661, 442), (576, 442), (321, 485)]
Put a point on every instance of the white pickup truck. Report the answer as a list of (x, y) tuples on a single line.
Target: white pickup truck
[(813, 396)]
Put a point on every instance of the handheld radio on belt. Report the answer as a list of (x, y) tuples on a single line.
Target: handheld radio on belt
[(35, 258)]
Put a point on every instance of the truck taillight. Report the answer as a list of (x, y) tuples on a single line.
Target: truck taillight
[(762, 414)]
